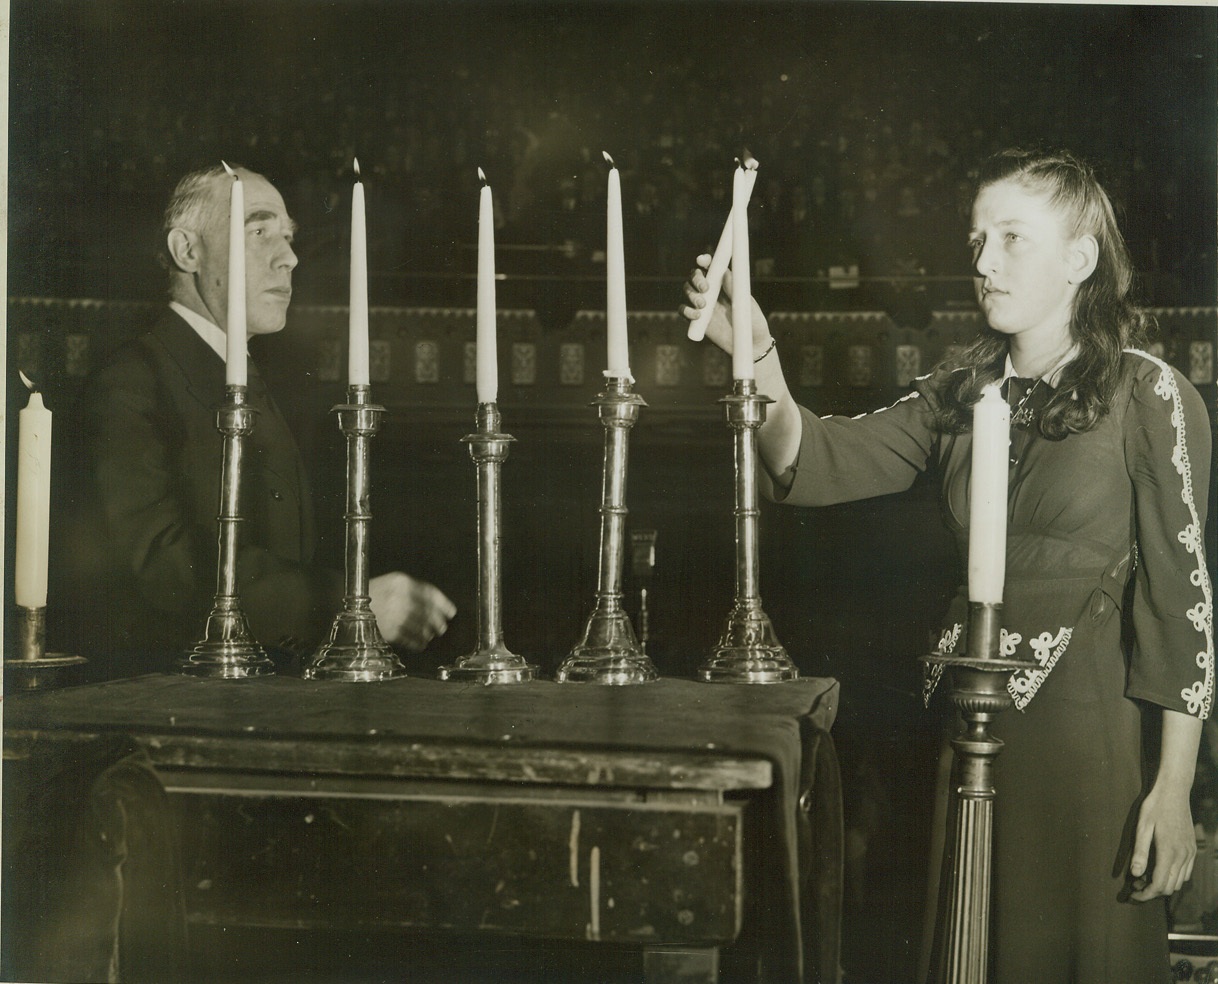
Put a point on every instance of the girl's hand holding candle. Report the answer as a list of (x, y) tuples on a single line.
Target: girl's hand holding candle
[(722, 257)]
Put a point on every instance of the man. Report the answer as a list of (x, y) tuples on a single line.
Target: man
[(152, 456)]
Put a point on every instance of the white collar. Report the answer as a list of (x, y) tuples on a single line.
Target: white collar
[(1052, 375), (210, 332)]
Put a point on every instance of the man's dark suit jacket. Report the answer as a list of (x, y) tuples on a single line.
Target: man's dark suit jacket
[(148, 485)]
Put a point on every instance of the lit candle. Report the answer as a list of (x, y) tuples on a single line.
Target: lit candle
[(987, 535), (487, 360), (357, 323), (742, 309), (721, 258), (234, 361), (615, 276), (33, 502)]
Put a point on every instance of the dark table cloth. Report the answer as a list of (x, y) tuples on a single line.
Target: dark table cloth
[(784, 724)]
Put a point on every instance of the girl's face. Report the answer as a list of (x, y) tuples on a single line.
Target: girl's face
[(1025, 267)]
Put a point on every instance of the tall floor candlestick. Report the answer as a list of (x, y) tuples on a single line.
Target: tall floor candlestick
[(609, 653), (749, 650), (978, 689), (227, 649), (491, 662), (355, 651)]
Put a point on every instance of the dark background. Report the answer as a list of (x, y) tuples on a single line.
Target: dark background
[(872, 113), (885, 105)]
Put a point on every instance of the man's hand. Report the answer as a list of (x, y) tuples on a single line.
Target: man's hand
[(409, 613)]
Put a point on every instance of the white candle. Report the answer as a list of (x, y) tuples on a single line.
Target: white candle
[(234, 361), (33, 503), (742, 309), (487, 358), (615, 277), (357, 324), (720, 259), (987, 539)]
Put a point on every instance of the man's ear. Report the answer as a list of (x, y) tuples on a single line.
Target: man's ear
[(183, 249), (1084, 255)]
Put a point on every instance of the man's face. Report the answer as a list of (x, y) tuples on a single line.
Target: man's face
[(269, 259)]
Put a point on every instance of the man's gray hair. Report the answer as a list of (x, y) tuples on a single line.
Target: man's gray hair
[(187, 208)]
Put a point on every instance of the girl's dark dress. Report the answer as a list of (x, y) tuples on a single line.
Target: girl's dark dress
[(1104, 534)]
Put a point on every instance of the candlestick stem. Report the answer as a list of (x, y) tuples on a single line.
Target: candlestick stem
[(227, 649), (748, 651), (355, 651), (978, 689), (609, 653), (491, 662)]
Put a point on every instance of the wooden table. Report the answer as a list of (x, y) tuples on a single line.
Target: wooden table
[(682, 820)]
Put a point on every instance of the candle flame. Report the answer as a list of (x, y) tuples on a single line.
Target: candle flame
[(356, 160), (29, 383), (482, 175), (608, 158), (231, 172), (750, 162)]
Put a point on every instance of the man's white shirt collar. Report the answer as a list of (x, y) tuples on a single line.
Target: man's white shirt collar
[(208, 331)]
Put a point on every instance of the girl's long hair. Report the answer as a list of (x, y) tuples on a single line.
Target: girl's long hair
[(1105, 319)]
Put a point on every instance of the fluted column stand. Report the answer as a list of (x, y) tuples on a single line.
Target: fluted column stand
[(228, 650), (978, 689), (748, 651), (355, 651), (609, 653), (491, 662)]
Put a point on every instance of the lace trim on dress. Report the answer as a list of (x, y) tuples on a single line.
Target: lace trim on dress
[(1047, 649), (947, 644), (912, 395), (1199, 697)]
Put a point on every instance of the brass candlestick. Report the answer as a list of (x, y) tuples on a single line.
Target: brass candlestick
[(978, 689), (492, 662), (749, 650), (355, 651), (32, 668), (227, 649), (608, 653)]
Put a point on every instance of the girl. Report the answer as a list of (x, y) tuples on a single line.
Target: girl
[(1110, 456)]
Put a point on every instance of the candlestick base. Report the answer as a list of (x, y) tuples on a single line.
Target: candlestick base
[(32, 668), (489, 666), (608, 654), (355, 653), (748, 652), (228, 650)]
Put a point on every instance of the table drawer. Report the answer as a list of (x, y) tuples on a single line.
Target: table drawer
[(544, 862)]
